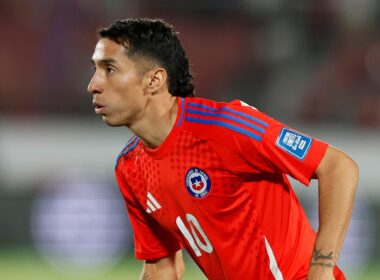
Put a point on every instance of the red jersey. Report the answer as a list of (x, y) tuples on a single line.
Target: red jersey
[(217, 186)]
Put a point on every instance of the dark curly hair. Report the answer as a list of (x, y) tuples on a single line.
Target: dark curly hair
[(155, 40)]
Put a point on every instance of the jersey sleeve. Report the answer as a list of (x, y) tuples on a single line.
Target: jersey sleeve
[(272, 146), (150, 239)]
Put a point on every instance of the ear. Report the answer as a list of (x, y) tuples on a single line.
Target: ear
[(155, 79)]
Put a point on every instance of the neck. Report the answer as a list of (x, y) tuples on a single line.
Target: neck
[(157, 121)]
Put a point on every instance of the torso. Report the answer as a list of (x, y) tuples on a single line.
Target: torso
[(236, 222)]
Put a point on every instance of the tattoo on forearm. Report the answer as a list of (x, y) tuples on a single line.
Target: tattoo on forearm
[(318, 259), (321, 264), (317, 255)]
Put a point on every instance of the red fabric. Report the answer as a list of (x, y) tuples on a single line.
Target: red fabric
[(246, 205)]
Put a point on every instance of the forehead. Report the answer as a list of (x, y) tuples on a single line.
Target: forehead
[(108, 49)]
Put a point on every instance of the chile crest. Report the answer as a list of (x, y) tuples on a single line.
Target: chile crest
[(197, 182)]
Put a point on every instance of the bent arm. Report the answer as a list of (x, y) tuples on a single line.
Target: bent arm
[(171, 267), (337, 176)]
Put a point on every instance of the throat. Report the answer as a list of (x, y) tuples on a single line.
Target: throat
[(153, 140), (154, 130)]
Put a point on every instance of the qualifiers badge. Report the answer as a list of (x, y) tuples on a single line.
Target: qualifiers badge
[(197, 182), (294, 143)]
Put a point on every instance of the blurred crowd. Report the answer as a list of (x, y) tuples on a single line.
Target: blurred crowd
[(310, 61), (311, 64)]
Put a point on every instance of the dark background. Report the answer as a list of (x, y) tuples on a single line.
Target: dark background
[(314, 65)]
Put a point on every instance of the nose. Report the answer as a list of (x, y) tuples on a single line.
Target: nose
[(95, 85)]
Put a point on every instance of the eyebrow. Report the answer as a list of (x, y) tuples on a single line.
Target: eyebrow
[(105, 61)]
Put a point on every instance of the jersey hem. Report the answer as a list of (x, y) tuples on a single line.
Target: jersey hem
[(152, 256)]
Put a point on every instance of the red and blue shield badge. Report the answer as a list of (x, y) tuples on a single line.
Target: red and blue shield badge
[(197, 182)]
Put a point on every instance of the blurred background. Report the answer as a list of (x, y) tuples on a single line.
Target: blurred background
[(313, 64)]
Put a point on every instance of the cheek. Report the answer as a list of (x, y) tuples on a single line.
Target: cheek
[(119, 90), (130, 88), (125, 82)]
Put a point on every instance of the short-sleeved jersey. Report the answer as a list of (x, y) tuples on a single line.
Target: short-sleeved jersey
[(218, 187)]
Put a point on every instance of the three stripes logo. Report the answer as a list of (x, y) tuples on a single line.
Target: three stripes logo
[(151, 204), (228, 118)]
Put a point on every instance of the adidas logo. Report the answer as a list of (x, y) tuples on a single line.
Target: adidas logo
[(151, 204)]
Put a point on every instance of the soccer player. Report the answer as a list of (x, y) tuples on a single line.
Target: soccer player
[(211, 177)]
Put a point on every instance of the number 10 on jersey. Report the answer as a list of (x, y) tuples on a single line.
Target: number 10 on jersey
[(192, 237)]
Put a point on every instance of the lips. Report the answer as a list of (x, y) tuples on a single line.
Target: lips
[(99, 108)]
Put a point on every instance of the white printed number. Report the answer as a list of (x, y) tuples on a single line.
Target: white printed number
[(196, 244)]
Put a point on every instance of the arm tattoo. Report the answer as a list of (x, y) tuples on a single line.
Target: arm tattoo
[(321, 264), (318, 256), (318, 259)]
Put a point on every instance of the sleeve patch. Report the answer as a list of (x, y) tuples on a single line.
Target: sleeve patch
[(294, 143)]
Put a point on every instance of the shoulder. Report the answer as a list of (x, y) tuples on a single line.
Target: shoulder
[(128, 148), (223, 120)]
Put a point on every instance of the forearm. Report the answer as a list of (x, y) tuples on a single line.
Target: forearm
[(337, 180), (335, 210), (168, 268), (152, 272)]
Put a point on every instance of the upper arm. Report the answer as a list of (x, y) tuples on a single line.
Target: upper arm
[(171, 267), (279, 148), (334, 161)]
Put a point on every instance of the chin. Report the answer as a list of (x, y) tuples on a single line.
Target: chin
[(111, 122)]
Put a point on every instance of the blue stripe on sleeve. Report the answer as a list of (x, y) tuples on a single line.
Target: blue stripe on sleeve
[(241, 114), (226, 125), (226, 116), (182, 111), (129, 142), (192, 104), (246, 116), (128, 150)]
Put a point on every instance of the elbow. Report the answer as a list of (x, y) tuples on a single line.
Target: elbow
[(348, 169), (354, 167), (337, 166)]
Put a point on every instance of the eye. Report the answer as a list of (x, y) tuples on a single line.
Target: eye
[(109, 70)]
